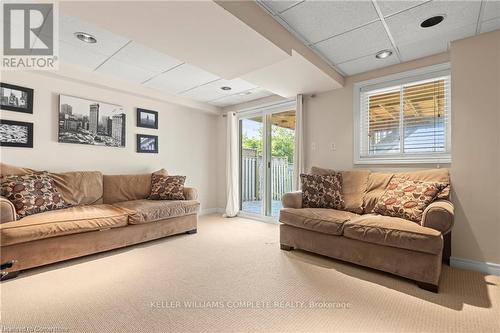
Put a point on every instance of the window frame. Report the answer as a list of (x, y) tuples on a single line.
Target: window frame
[(416, 75)]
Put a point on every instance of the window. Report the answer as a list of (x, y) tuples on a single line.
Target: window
[(404, 118)]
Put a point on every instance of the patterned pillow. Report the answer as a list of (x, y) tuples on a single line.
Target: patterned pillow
[(322, 191), (31, 194), (407, 198), (165, 187)]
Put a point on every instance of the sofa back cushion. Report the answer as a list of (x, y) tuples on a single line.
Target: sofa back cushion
[(79, 187), (76, 187), (378, 182), (354, 183), (118, 188)]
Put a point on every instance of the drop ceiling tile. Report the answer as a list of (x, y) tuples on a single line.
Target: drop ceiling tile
[(79, 56), (491, 10), (391, 7), (180, 79), (355, 44), (107, 42), (405, 26), (279, 6), (427, 47), (490, 25), (125, 71), (212, 90), (366, 64), (146, 58), (317, 20)]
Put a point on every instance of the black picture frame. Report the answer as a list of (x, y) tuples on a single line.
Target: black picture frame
[(6, 105), (140, 144), (29, 133), (141, 123)]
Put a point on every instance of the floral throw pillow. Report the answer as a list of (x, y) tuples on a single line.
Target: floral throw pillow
[(31, 194), (407, 199), (322, 191), (167, 187)]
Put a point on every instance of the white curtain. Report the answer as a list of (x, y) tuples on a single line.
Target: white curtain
[(299, 163), (232, 182)]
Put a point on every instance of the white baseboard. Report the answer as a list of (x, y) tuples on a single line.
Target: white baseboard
[(478, 266), (207, 211)]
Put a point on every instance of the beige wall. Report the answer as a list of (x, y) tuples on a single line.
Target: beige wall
[(475, 139), (187, 137), (476, 146)]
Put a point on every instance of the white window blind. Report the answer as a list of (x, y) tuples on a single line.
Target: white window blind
[(407, 121)]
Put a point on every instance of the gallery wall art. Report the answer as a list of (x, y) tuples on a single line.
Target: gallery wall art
[(16, 133), (147, 143), (91, 122), (16, 98), (147, 118)]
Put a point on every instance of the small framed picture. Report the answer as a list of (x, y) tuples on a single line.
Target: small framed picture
[(147, 143), (147, 118), (16, 134), (16, 98)]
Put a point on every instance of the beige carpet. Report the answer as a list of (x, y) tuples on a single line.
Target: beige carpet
[(232, 277)]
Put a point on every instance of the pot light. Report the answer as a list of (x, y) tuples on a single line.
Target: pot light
[(85, 37), (225, 88), (432, 21), (383, 54), (245, 93)]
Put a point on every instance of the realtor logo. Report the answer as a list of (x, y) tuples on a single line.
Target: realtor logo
[(29, 36)]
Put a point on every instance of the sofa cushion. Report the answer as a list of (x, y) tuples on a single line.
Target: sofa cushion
[(119, 188), (79, 187), (62, 222), (328, 221), (144, 211), (31, 194), (407, 198), (395, 232), (378, 181), (320, 191), (354, 184)]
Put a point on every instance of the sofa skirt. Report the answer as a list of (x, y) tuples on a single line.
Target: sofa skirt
[(50, 250), (418, 266)]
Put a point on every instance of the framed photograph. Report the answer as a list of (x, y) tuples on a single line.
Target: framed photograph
[(91, 122), (16, 134), (147, 118), (16, 98), (147, 143)]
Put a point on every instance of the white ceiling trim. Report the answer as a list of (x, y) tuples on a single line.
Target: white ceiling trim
[(388, 32)]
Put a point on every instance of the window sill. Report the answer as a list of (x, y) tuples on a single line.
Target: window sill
[(442, 159)]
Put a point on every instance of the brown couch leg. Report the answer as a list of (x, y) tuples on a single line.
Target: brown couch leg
[(286, 247), (190, 232), (447, 248), (428, 286)]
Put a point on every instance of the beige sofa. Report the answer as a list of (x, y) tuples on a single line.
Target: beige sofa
[(390, 244), (106, 212)]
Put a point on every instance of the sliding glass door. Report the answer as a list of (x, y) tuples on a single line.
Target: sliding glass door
[(267, 141)]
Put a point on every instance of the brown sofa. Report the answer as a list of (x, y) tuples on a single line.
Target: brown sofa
[(106, 212), (390, 244)]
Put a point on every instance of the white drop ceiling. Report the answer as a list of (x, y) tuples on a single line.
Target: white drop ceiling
[(120, 58), (348, 34)]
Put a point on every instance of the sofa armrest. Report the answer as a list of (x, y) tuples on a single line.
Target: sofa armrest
[(292, 199), (7, 211), (190, 193), (439, 215)]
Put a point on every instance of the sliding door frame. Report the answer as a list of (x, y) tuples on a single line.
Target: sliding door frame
[(265, 112)]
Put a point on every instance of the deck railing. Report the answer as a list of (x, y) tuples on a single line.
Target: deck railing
[(252, 176)]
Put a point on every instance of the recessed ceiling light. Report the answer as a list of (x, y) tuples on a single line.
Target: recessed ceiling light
[(85, 37), (225, 88), (383, 54), (432, 21), (245, 93)]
